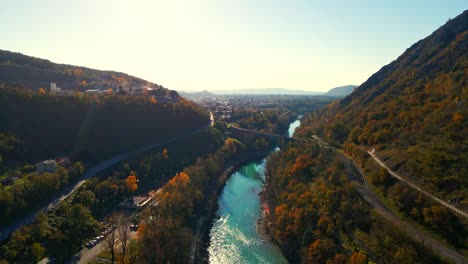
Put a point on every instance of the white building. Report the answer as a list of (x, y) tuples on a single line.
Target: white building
[(54, 89)]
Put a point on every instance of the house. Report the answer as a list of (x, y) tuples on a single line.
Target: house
[(46, 166)]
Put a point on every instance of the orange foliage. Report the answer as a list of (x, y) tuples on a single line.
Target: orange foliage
[(358, 258), (131, 183), (325, 226), (83, 83), (302, 163), (109, 91), (229, 143), (180, 179), (457, 118), (42, 90), (321, 250), (164, 153), (153, 100), (141, 230)]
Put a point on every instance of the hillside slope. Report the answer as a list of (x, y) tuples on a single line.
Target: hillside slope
[(31, 72), (413, 111), (35, 125)]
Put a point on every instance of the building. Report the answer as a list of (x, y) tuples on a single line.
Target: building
[(54, 89), (46, 166), (141, 90), (93, 92)]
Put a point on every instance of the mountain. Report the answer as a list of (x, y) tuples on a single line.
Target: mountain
[(31, 72), (413, 111), (266, 91), (341, 91)]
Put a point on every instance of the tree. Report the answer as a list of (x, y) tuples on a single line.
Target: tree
[(123, 225), (111, 238), (37, 250), (42, 90), (358, 258), (153, 100), (131, 183)]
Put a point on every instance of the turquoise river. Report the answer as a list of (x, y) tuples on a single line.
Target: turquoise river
[(234, 237)]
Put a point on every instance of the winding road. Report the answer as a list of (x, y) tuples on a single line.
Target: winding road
[(419, 189), (409, 229), (374, 201), (6, 231)]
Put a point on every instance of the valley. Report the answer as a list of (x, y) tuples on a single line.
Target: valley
[(101, 166)]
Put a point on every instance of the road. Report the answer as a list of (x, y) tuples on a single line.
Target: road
[(6, 231), (444, 203), (406, 227)]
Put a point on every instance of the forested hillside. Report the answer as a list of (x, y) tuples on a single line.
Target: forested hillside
[(26, 71), (318, 216), (36, 126), (413, 111)]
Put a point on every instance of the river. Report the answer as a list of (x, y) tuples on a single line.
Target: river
[(234, 237)]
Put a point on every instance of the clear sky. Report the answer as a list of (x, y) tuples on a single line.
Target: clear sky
[(225, 44)]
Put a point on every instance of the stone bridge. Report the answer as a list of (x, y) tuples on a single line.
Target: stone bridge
[(279, 139)]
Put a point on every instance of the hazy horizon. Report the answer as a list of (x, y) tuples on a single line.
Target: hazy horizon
[(224, 45)]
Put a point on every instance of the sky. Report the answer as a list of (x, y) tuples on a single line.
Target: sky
[(225, 44)]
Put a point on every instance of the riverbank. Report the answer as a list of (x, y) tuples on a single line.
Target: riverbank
[(265, 223), (208, 216)]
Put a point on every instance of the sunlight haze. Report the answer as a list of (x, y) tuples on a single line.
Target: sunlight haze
[(213, 45)]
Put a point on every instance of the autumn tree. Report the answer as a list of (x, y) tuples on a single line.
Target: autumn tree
[(42, 90), (131, 183), (358, 258)]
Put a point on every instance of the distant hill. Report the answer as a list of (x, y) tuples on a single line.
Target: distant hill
[(413, 111), (31, 72), (265, 91), (191, 95), (341, 91)]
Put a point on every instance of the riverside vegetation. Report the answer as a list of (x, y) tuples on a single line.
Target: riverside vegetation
[(318, 216)]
